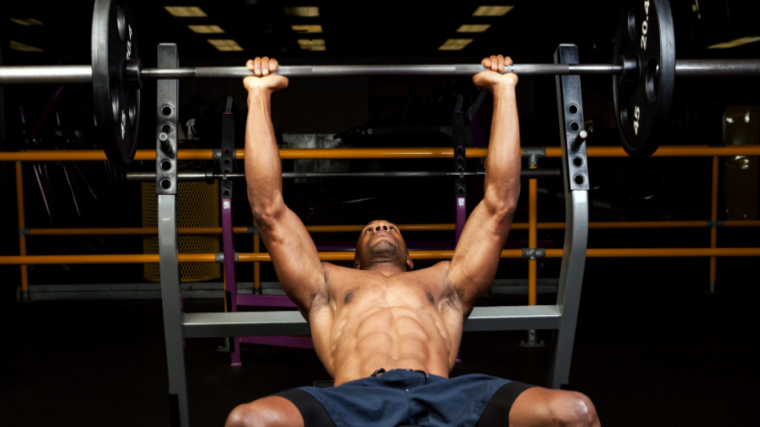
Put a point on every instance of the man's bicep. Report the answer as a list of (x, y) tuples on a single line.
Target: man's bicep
[(294, 256)]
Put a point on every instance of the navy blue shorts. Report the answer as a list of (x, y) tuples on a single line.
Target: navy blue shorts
[(406, 397)]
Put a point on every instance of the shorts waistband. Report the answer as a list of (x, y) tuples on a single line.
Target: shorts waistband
[(381, 371)]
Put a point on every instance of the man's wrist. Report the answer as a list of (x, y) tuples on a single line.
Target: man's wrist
[(258, 94), (504, 88)]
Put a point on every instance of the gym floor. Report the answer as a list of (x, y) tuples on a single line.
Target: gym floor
[(651, 350)]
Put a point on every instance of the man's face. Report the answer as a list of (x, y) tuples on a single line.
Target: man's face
[(381, 240)]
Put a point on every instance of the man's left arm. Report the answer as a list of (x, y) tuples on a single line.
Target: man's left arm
[(477, 254)]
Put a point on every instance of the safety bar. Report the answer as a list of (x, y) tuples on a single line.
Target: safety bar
[(248, 323)]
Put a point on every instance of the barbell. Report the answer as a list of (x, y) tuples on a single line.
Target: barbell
[(643, 73)]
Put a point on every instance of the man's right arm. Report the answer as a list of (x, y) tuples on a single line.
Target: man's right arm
[(293, 252)]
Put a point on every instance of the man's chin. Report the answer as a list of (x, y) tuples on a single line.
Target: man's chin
[(383, 248)]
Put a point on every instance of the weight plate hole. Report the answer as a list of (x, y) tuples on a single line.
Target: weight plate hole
[(166, 165), (166, 129), (226, 161), (632, 27), (121, 22), (653, 69), (166, 184), (226, 192), (574, 126), (573, 109), (227, 151), (115, 107), (166, 110), (132, 114), (579, 179), (624, 118), (578, 161), (460, 191)]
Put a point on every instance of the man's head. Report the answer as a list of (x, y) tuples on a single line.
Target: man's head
[(380, 241)]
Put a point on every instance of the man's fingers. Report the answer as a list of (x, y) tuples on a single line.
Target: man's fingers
[(265, 65), (262, 66), (497, 62)]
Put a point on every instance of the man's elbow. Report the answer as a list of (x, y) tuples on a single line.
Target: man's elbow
[(264, 211), (505, 212), (263, 214), (503, 208)]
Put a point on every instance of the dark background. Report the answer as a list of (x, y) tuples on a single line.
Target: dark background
[(652, 348)]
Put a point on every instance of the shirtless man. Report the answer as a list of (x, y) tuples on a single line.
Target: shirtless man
[(387, 334)]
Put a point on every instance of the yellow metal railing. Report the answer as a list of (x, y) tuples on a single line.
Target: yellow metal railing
[(378, 153), (713, 252)]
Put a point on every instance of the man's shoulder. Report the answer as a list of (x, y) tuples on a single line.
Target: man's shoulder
[(440, 267), (330, 268), (436, 273)]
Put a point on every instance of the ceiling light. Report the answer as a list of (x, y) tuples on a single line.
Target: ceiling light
[(312, 44), (734, 43), (302, 11), (476, 28), (185, 11), (225, 45), (21, 47), (492, 10), (455, 44), (206, 29), (307, 28), (26, 21)]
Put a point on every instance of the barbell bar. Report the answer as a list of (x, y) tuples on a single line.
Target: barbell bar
[(210, 175), (643, 74), (73, 74)]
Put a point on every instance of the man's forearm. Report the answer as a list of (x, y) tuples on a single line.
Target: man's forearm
[(502, 183), (262, 157)]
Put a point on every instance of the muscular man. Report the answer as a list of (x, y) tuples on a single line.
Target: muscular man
[(386, 333)]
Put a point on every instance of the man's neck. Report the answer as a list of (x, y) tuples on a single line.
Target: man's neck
[(385, 267)]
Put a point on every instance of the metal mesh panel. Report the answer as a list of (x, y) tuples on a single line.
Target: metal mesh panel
[(197, 206)]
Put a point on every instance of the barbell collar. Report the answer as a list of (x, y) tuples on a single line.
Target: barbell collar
[(133, 72), (629, 68)]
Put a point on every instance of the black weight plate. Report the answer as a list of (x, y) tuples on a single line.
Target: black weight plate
[(643, 101), (117, 103)]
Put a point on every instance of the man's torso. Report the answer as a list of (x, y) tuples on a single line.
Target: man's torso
[(364, 321)]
